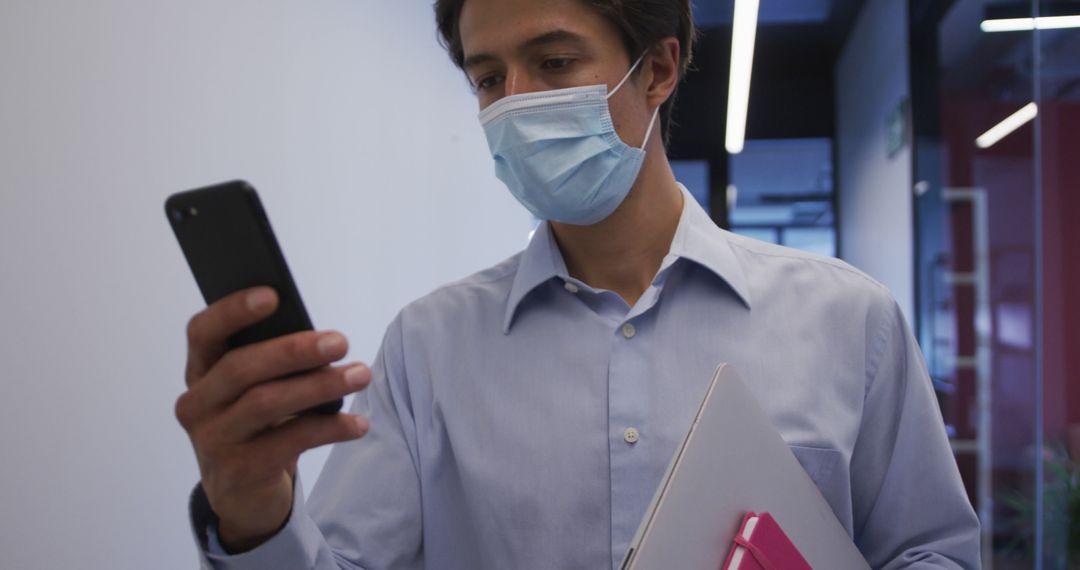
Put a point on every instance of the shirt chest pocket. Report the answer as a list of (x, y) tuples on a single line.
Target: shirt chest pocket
[(818, 462), (826, 469)]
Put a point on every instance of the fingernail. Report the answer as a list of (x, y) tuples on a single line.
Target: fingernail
[(259, 300), (356, 377), (330, 345), (361, 424)]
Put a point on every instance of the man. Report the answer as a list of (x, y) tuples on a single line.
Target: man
[(522, 417)]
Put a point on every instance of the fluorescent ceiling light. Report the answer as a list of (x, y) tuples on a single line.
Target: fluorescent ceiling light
[(744, 30), (1029, 24), (1010, 124)]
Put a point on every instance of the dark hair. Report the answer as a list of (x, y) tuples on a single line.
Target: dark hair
[(642, 23)]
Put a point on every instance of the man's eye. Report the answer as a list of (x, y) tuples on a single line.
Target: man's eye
[(557, 63), (487, 82)]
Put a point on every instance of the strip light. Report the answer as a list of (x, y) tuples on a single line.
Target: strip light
[(1029, 24), (1010, 124), (744, 31)]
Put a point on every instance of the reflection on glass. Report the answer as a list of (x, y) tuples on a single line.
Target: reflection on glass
[(770, 235), (996, 118), (792, 204), (1058, 177), (821, 241), (694, 174)]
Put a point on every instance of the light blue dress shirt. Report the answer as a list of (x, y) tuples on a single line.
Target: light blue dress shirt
[(521, 419)]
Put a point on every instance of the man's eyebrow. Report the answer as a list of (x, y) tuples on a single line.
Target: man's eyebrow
[(551, 37), (477, 59)]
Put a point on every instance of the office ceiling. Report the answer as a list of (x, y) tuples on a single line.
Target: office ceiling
[(1001, 63), (792, 97), (709, 13), (834, 14), (798, 43)]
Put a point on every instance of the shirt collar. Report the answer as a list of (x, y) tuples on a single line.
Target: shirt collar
[(697, 239)]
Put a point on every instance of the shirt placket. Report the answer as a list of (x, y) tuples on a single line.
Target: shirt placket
[(628, 424)]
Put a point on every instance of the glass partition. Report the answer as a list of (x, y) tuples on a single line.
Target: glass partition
[(793, 205), (1057, 147), (996, 119)]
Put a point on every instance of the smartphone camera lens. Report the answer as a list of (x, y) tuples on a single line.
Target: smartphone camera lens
[(177, 215)]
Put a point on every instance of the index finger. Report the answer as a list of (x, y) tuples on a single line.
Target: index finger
[(209, 330)]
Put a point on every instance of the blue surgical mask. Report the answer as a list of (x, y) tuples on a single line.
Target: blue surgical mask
[(558, 152)]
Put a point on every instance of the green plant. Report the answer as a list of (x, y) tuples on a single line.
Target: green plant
[(1061, 512)]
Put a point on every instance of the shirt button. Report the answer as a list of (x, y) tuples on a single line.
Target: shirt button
[(571, 287), (628, 330), (631, 435)]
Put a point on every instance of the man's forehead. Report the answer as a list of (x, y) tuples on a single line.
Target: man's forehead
[(492, 26), (556, 36)]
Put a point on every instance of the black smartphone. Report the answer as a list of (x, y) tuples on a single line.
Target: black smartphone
[(229, 245)]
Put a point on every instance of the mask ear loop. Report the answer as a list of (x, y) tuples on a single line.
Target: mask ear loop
[(656, 113), (628, 74), (648, 133)]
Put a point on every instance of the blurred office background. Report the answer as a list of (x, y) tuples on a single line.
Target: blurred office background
[(362, 140), (934, 144), (911, 138)]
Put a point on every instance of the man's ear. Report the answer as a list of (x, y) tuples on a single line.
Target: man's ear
[(663, 66)]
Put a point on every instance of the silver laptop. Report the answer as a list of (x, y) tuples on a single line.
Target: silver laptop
[(733, 461)]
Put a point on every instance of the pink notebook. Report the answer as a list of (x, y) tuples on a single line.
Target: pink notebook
[(762, 545)]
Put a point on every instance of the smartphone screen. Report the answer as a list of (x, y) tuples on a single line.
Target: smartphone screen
[(228, 243)]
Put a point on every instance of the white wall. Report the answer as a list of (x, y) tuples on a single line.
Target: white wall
[(876, 228), (362, 139)]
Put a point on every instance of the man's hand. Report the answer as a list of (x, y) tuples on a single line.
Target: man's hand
[(240, 412)]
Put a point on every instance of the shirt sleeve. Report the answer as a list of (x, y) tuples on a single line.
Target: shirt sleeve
[(364, 512), (909, 504)]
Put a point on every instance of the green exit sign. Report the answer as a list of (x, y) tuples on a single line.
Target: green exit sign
[(898, 127)]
